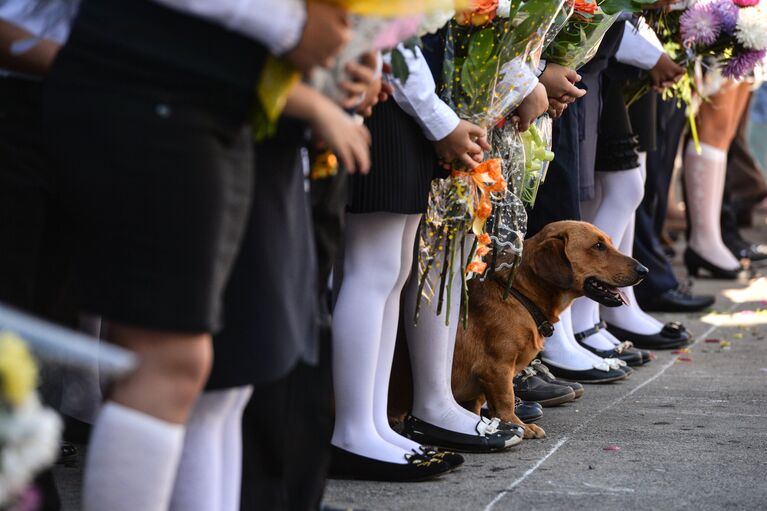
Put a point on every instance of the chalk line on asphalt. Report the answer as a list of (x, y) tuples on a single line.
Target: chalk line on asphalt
[(582, 425)]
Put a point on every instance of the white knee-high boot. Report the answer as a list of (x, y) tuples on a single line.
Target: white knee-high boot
[(704, 176)]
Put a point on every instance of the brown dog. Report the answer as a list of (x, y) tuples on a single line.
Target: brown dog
[(562, 262)]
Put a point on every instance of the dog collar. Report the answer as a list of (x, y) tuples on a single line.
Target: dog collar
[(545, 328)]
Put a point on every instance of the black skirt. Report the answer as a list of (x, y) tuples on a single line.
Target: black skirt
[(617, 143), (155, 161), (403, 166)]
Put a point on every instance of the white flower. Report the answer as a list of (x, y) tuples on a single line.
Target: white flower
[(434, 20), (504, 8), (751, 28), (29, 440)]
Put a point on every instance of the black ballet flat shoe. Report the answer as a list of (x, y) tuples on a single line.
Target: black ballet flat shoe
[(487, 439), (543, 372), (624, 351), (453, 459), (694, 262), (588, 375), (673, 335), (347, 465)]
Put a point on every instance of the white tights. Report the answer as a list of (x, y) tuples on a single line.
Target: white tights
[(431, 344), (377, 261), (210, 471)]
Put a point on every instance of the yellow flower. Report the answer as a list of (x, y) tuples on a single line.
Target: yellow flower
[(18, 372)]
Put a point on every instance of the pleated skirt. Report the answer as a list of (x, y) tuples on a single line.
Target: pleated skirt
[(403, 166)]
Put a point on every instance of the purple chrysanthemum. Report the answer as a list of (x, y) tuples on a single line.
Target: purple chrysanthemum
[(727, 12), (741, 65), (699, 25)]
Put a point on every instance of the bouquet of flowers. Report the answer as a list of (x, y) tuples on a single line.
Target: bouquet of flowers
[(490, 57), (578, 41), (29, 433), (729, 36), (376, 26)]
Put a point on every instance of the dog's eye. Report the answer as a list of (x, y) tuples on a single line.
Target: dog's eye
[(600, 246)]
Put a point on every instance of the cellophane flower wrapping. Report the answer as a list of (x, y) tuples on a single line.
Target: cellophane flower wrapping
[(578, 41), (376, 25), (491, 56), (29, 432)]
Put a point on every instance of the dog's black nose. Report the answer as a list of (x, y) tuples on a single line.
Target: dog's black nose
[(641, 270)]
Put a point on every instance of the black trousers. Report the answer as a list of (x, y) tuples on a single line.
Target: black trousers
[(35, 267), (288, 423), (651, 214), (559, 195), (286, 438)]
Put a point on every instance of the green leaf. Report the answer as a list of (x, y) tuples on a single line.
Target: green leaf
[(399, 68)]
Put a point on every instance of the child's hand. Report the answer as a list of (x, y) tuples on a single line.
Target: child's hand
[(348, 140), (326, 31), (560, 83), (665, 73), (465, 144), (533, 106), (363, 85), (556, 108)]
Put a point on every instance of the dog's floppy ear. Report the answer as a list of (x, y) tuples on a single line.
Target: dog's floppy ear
[(550, 263)]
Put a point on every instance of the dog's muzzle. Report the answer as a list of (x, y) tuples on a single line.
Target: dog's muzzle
[(603, 293)]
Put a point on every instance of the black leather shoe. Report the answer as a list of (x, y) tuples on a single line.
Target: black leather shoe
[(543, 372), (673, 335), (453, 459), (527, 411), (487, 439), (678, 299), (743, 249), (347, 465), (587, 375), (528, 386), (695, 262)]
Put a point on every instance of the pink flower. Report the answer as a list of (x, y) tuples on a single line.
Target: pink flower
[(745, 3)]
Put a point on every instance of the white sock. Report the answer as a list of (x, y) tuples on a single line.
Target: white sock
[(563, 351), (631, 317), (617, 195), (389, 340), (132, 461), (372, 264), (431, 344), (210, 459), (704, 176), (231, 468), (583, 311)]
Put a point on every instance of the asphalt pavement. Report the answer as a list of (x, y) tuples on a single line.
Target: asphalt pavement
[(687, 431)]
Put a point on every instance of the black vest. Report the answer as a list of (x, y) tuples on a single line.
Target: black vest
[(145, 38)]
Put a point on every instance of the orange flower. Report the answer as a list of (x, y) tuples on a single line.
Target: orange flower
[(482, 13), (482, 250), (585, 6), (483, 239), (476, 267)]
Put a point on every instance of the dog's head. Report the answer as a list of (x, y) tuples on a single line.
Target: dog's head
[(578, 257)]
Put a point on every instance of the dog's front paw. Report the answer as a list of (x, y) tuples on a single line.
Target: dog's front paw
[(533, 431)]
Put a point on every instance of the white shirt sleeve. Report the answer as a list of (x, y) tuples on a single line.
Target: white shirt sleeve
[(419, 99), (639, 46), (278, 24)]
